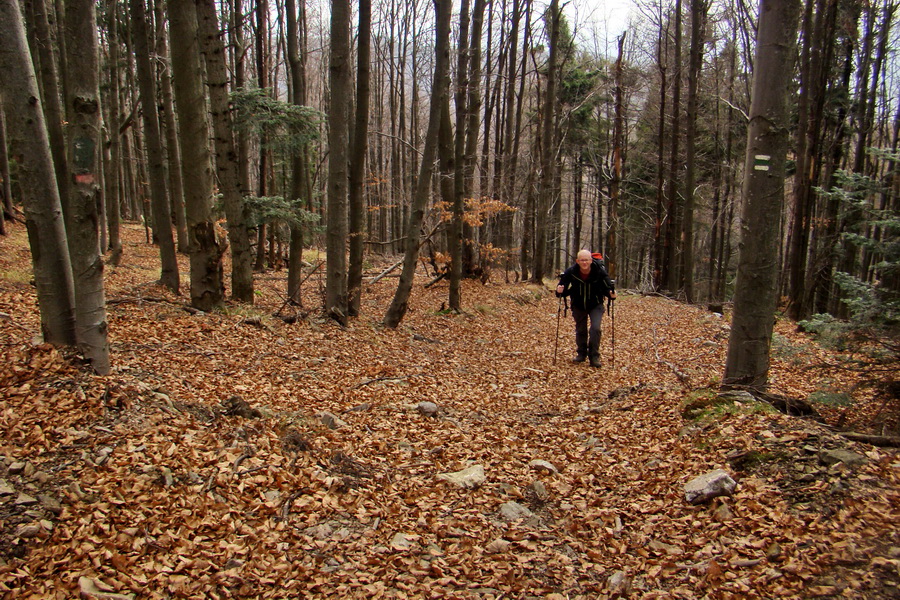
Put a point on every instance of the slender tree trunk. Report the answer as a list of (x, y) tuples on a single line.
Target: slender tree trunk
[(5, 184), (612, 255), (670, 274), (159, 199), (296, 50), (84, 141), (747, 362), (173, 147), (113, 189), (659, 255), (207, 277), (29, 143), (440, 87), (457, 161), (699, 9), (338, 142), (359, 144), (547, 150), (50, 79), (226, 157)]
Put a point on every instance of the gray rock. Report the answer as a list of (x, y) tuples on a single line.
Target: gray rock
[(469, 478), (540, 490), (401, 541), (25, 500), (619, 583), (6, 489), (51, 504), (16, 467), (736, 396), (330, 421), (27, 531), (839, 455), (513, 511), (428, 409), (543, 465), (708, 486)]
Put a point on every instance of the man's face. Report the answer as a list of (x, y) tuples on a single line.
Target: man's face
[(584, 261)]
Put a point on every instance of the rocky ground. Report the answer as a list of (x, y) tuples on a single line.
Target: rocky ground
[(237, 454)]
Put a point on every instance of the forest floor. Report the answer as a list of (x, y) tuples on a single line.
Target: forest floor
[(237, 455)]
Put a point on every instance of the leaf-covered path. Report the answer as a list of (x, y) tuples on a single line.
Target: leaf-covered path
[(205, 465)]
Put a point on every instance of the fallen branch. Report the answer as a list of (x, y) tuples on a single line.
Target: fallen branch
[(883, 441), (385, 272)]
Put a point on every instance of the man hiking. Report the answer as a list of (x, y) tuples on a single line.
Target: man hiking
[(587, 283)]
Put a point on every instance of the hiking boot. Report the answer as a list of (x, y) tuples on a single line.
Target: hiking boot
[(579, 357), (595, 361)]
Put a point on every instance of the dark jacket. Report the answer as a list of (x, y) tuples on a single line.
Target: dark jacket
[(586, 294)]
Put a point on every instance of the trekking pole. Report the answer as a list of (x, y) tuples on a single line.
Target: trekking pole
[(556, 344), (612, 317)]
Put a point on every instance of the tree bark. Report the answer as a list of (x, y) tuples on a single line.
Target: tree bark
[(114, 166), (30, 145), (338, 142), (170, 125), (747, 362), (226, 158), (207, 277), (397, 310), (358, 145), (699, 9), (296, 51), (159, 199), (84, 142), (548, 159)]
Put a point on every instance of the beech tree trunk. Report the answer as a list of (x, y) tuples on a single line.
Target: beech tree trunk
[(84, 142), (170, 125), (548, 159), (207, 276), (440, 87), (747, 363), (226, 157), (358, 145), (296, 52), (28, 141), (159, 199), (113, 167), (338, 142)]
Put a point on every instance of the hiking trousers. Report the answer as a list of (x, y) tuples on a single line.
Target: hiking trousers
[(587, 340)]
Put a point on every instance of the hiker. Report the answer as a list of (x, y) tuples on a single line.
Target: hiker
[(586, 283)]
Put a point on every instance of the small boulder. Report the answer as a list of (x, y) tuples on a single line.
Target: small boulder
[(619, 583), (543, 465), (468, 479), (427, 409), (708, 486), (839, 455), (513, 511), (330, 421)]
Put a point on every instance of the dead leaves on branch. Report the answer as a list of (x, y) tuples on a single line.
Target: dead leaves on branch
[(204, 466)]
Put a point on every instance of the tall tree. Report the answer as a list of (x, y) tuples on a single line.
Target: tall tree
[(548, 150), (698, 39), (670, 273), (84, 143), (207, 277), (226, 158), (170, 125), (113, 187), (338, 142), (358, 145), (439, 88), (159, 198), (30, 144), (747, 363), (300, 185), (5, 184)]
